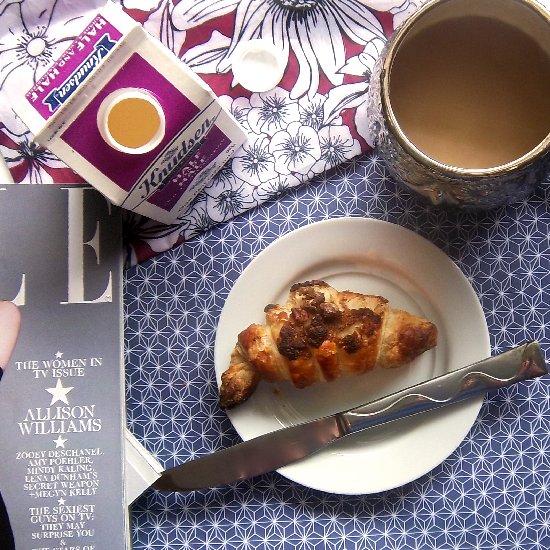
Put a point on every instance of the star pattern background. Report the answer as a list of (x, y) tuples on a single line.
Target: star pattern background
[(493, 492)]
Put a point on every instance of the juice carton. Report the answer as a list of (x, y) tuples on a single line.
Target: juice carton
[(131, 118)]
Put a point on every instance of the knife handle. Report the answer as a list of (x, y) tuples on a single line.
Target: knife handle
[(520, 363)]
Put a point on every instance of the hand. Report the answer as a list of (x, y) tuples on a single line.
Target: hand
[(10, 320)]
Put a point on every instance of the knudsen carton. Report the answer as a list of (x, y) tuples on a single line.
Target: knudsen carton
[(131, 118)]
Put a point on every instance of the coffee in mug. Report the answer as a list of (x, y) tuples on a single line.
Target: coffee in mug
[(460, 101)]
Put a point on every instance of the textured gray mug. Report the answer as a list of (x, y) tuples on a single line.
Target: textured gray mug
[(459, 104)]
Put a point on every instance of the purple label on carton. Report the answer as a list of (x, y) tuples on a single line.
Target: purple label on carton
[(175, 183), (191, 141), (74, 66), (197, 144)]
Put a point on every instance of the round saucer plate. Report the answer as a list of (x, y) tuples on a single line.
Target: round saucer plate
[(370, 257)]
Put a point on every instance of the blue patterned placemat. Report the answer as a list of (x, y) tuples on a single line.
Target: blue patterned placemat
[(493, 492)]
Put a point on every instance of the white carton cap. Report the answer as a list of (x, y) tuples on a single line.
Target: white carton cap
[(258, 65)]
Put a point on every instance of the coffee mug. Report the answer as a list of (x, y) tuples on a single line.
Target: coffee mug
[(459, 101)]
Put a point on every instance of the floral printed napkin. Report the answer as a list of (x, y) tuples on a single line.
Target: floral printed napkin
[(314, 120)]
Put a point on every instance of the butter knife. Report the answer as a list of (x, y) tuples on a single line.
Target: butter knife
[(277, 449)]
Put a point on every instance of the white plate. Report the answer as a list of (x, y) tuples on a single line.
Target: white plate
[(371, 257)]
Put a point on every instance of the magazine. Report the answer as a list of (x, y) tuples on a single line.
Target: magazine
[(61, 393)]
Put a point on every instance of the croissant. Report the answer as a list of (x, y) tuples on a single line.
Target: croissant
[(320, 335)]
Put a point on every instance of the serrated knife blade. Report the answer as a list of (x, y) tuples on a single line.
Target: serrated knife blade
[(282, 447)]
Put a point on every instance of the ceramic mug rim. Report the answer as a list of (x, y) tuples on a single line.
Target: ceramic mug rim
[(400, 34)]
